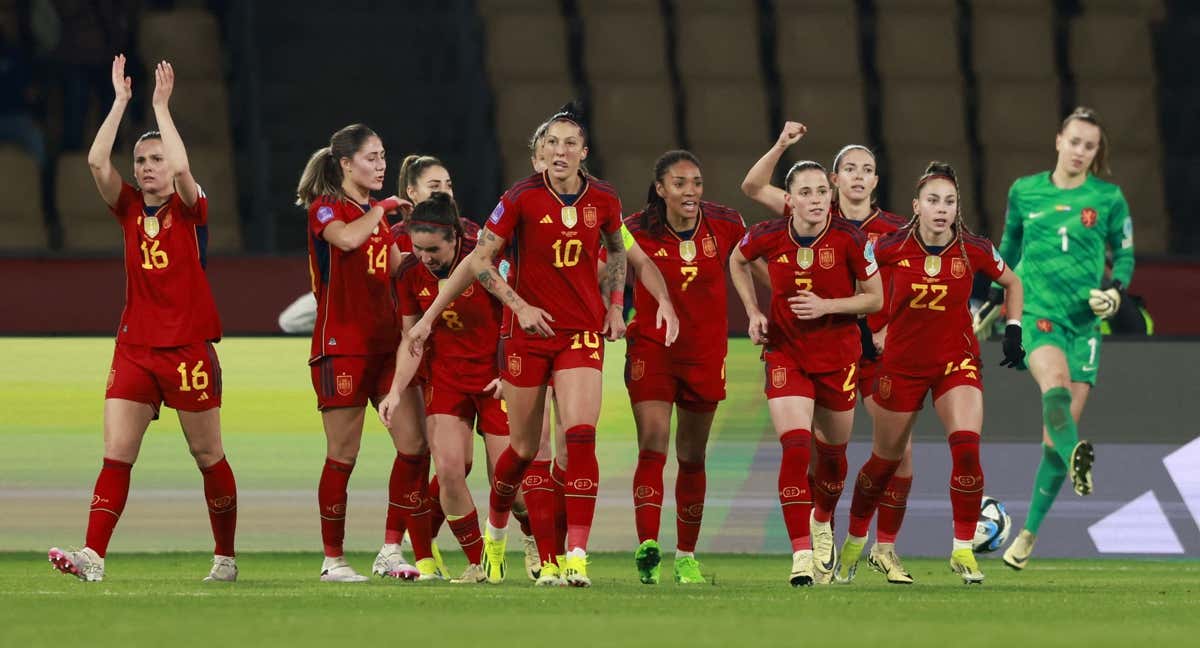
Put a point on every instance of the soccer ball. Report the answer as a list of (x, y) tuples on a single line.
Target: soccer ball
[(991, 532)]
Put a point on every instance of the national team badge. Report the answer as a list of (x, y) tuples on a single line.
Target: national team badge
[(166, 222), (885, 387), (687, 250), (826, 258), (150, 225), (344, 384), (933, 265), (514, 365), (710, 246), (569, 216), (589, 216), (804, 257), (778, 377), (1045, 325), (1088, 217), (958, 268), (637, 369)]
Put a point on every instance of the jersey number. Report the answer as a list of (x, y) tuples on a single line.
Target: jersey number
[(965, 365), (689, 275), (377, 260), (850, 383), (199, 377), (586, 339), (804, 283), (1062, 231), (567, 253), (939, 292), (152, 257), (452, 320)]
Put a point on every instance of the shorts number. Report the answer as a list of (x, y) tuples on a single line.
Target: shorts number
[(939, 292), (1062, 231), (377, 260), (804, 283), (567, 253), (199, 377), (452, 320), (585, 339), (689, 275), (152, 257), (965, 365), (1093, 345), (850, 383)]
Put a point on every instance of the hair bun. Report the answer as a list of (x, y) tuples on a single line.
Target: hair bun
[(571, 111), (936, 167)]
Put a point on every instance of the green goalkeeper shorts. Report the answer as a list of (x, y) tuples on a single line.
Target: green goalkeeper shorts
[(1082, 349)]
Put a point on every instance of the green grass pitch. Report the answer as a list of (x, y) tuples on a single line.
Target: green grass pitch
[(51, 402)]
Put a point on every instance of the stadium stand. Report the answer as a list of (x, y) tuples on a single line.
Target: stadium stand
[(21, 209)]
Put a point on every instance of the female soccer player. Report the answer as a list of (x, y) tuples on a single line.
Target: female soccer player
[(812, 343), (1058, 228), (930, 348), (352, 257), (689, 240), (554, 321), (164, 350)]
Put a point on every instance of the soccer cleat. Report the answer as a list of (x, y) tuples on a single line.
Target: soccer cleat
[(802, 568), (438, 562), (884, 560), (428, 570), (824, 552), (472, 575), (1017, 554), (533, 562), (224, 570), (85, 564), (549, 576), (962, 562), (648, 559), (390, 563), (337, 570), (575, 571), (1082, 458), (493, 558), (687, 571), (847, 560)]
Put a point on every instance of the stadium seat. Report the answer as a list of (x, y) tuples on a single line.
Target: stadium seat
[(1013, 42), (928, 114), (724, 170), (526, 46), (625, 42), (188, 38), (87, 224), (916, 43), (214, 171), (1111, 46), (1002, 167), (907, 164), (519, 108), (21, 209), (201, 112), (1018, 114), (1141, 180), (633, 114), (1144, 7), (719, 41), (723, 115), (835, 113), (817, 43), (489, 8), (632, 173), (1129, 111)]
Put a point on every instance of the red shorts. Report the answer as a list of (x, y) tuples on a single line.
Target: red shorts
[(352, 381), (832, 390), (651, 374), (489, 414), (900, 393), (532, 361), (186, 378), (868, 372)]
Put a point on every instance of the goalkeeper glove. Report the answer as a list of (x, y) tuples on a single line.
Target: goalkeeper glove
[(1106, 302), (988, 313), (1014, 353)]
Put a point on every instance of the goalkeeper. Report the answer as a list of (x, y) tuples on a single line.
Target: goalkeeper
[(1057, 230)]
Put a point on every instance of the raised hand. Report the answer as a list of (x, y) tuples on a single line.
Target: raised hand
[(164, 83), (122, 85), (791, 133)]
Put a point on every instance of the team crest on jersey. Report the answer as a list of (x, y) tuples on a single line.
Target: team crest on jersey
[(1045, 325), (804, 258), (589, 216), (637, 369), (569, 216), (826, 258), (514, 365), (778, 377), (958, 268), (344, 384), (885, 387), (150, 225), (1088, 217), (710, 246), (933, 265)]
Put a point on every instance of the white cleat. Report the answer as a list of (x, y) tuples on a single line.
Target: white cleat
[(474, 574), (802, 568), (1018, 553), (390, 563), (85, 564), (337, 570), (824, 552), (224, 570), (533, 561)]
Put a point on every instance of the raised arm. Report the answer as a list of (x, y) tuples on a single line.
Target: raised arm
[(108, 179), (757, 184), (743, 283), (173, 149)]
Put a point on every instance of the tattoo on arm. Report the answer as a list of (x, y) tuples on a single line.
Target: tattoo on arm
[(614, 277)]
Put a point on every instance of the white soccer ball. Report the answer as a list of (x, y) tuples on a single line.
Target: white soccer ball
[(991, 532)]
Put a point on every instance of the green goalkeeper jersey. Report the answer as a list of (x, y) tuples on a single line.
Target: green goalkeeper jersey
[(1055, 241)]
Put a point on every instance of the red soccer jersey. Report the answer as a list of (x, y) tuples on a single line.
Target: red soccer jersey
[(879, 224), (404, 241), (694, 269), (556, 247), (828, 266), (356, 313), (168, 302), (463, 345), (930, 324)]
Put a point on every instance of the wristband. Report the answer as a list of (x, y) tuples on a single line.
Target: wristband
[(1014, 322), (616, 298)]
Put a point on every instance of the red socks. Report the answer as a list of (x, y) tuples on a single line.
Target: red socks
[(331, 498), (868, 488), (966, 483), (892, 505), (506, 479), (583, 481), (433, 502), (108, 501), (558, 475), (689, 503), (407, 490), (466, 530), (829, 479), (538, 490), (648, 494), (794, 496), (220, 490)]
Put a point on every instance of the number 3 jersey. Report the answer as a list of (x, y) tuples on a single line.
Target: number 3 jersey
[(168, 302), (930, 324), (356, 310), (555, 247)]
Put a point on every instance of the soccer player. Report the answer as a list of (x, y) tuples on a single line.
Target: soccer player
[(554, 321), (690, 240), (352, 257), (462, 382), (929, 348), (164, 349), (1056, 233), (812, 343)]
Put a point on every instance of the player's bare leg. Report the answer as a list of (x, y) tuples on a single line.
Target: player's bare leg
[(450, 441), (525, 410), (792, 417), (1049, 367), (407, 487), (343, 438), (961, 412), (577, 394), (691, 445), (653, 422), (203, 433)]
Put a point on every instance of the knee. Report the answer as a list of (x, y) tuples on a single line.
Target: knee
[(206, 454), (1056, 407), (526, 449), (343, 452)]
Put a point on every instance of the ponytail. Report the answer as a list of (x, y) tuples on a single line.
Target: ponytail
[(437, 215), (322, 176), (411, 169)]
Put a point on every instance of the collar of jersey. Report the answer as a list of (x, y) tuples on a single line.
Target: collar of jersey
[(921, 244), (695, 230), (816, 239), (578, 196)]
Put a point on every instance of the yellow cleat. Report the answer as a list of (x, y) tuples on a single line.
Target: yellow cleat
[(429, 570), (437, 560), (549, 576), (493, 558), (963, 563), (575, 571), (883, 559), (1018, 553), (847, 561)]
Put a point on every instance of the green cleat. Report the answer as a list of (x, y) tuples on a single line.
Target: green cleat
[(493, 558), (687, 571), (847, 563), (648, 559)]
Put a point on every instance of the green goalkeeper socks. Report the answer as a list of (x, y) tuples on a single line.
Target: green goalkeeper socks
[(1056, 415), (1051, 473)]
